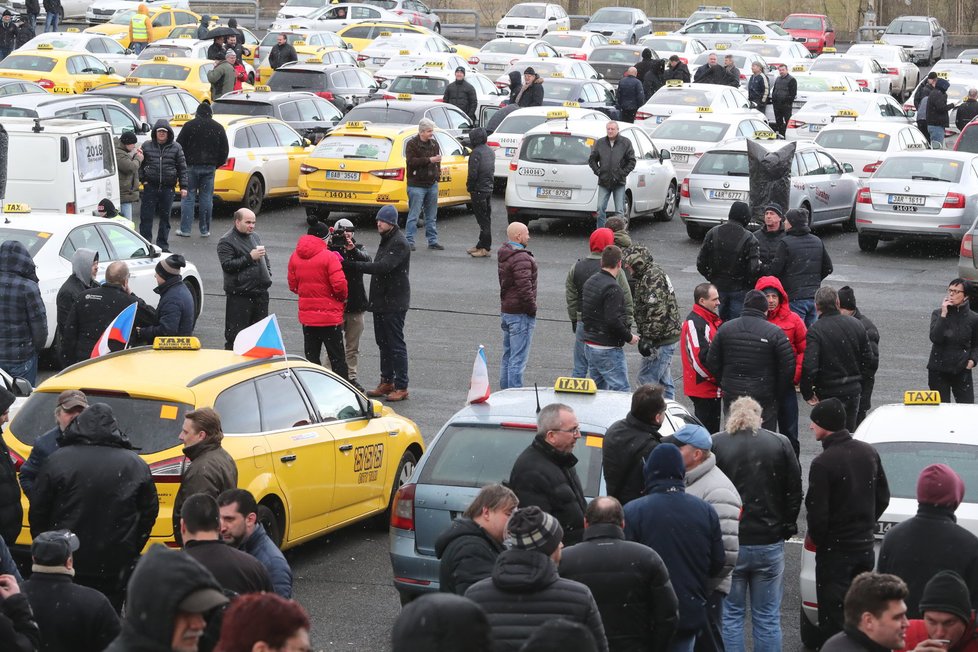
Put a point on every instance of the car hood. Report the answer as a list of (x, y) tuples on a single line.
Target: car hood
[(906, 39), (604, 27), (295, 12)]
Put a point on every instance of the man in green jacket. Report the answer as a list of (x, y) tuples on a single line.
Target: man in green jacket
[(221, 76)]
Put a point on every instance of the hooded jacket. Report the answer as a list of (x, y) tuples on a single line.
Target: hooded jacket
[(482, 163), (390, 281), (612, 163), (787, 320), (654, 78), (729, 257), (954, 339), (683, 529), (801, 262), (439, 622), (627, 445), (656, 308), (515, 84), (204, 140), (243, 274), (467, 555), (837, 357), (517, 280), (462, 94), (18, 630), (128, 173), (113, 510), (967, 111), (175, 314), (546, 477), (585, 268), (533, 95), (23, 319), (938, 108), (645, 64), (163, 166), (698, 332), (221, 78), (752, 357), (70, 616), (680, 71), (210, 471), (316, 275), (708, 482)]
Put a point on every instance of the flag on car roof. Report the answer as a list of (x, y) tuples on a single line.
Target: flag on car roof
[(479, 385), (120, 330), (260, 340)]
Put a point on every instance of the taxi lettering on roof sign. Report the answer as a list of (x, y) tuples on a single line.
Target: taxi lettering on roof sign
[(72, 30), (660, 34), (13, 207), (829, 50), (186, 36), (404, 52), (557, 115), (758, 37), (404, 96), (847, 113), (797, 68), (434, 64), (614, 41), (384, 34), (704, 109), (942, 74), (176, 344), (571, 385), (299, 43), (45, 46), (556, 74), (765, 135), (674, 82), (922, 397), (62, 90), (974, 62), (263, 89), (314, 60), (132, 81), (561, 29), (837, 88), (721, 46), (160, 58), (356, 124), (573, 105)]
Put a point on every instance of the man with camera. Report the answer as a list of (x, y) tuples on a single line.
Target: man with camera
[(341, 239)]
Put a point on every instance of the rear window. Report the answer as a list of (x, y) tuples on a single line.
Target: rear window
[(28, 62), (815, 84), (684, 97), (354, 147), (703, 132), (16, 112), (903, 462), (520, 124), (96, 157), (242, 108), (869, 141), (505, 47), (381, 115), (665, 44), (560, 91), (837, 65), (557, 148), (163, 50), (564, 40), (152, 425), (920, 169), (418, 85), (802, 22), (168, 71), (297, 80), (724, 164), (615, 56), (33, 240)]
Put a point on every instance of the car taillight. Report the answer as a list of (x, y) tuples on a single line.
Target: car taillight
[(402, 511), (305, 168), (228, 164), (70, 208), (501, 85), (862, 83), (954, 200), (796, 124), (743, 76), (362, 57), (388, 96), (512, 166), (395, 174), (439, 99), (326, 95), (577, 55), (684, 189), (19, 461), (863, 196), (493, 144), (399, 12), (473, 61), (142, 111), (684, 60), (46, 84), (642, 115), (872, 167), (892, 71), (809, 544), (967, 249), (168, 470)]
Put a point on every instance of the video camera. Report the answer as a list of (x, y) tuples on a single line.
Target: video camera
[(337, 238)]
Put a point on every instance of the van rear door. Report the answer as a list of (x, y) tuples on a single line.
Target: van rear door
[(93, 156)]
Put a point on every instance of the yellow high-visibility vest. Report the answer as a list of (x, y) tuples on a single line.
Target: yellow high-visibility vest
[(139, 27)]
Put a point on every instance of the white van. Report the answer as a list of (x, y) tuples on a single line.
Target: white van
[(59, 165)]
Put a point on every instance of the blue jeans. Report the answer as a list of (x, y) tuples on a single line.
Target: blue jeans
[(517, 337), (804, 308), (580, 352), (657, 369), (51, 20), (608, 369), (731, 304), (137, 46), (936, 134), (389, 335), (759, 571), (125, 209), (788, 418), (603, 194), (4, 52), (26, 369), (423, 199), (32, 21), (200, 179), (157, 203)]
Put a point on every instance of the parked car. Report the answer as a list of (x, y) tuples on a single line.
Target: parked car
[(816, 29)]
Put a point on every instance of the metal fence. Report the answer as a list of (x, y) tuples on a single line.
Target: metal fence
[(869, 34), (242, 10)]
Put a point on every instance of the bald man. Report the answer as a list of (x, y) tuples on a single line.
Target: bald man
[(631, 95), (518, 303), (247, 275)]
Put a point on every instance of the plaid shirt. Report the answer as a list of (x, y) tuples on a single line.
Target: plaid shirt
[(23, 320)]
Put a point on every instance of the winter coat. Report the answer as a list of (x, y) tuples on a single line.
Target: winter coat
[(627, 445), (163, 165), (32, 7), (356, 298), (645, 65), (524, 592), (603, 311), (656, 308), (262, 548), (873, 334), (954, 339), (8, 35), (938, 108), (128, 173), (767, 245), (916, 549), (631, 93), (517, 280), (467, 555), (784, 90), (708, 482), (733, 76), (698, 332), (92, 313), (729, 257), (545, 477), (801, 262), (204, 140), (532, 95), (281, 54), (612, 164), (18, 630), (243, 275), (221, 78), (763, 467), (853, 640), (482, 163), (210, 471), (787, 320), (11, 512), (215, 52), (758, 90), (316, 275), (837, 357), (683, 529), (421, 172), (175, 314), (752, 357), (680, 71), (390, 283), (240, 74), (847, 493), (707, 74), (917, 634), (630, 585), (233, 569), (70, 616), (967, 111), (462, 94), (584, 269), (653, 79), (515, 84), (112, 511), (40, 452), (23, 319), (52, 6)]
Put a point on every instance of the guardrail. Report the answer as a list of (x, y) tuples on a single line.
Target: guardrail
[(474, 25), (869, 34), (658, 20), (242, 10)]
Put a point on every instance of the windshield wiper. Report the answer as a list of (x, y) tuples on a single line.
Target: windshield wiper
[(926, 178)]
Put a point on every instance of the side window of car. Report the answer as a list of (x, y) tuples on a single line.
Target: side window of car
[(457, 119), (85, 237), (75, 65), (264, 134), (163, 20), (242, 139), (809, 164), (289, 111), (190, 103), (437, 115), (702, 28), (746, 129), (203, 70), (827, 164), (753, 29), (448, 145), (96, 46), (185, 19), (280, 403), (286, 136), (236, 405), (120, 120), (125, 244), (332, 399)]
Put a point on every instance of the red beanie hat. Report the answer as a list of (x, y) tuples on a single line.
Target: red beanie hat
[(938, 484), (602, 238)]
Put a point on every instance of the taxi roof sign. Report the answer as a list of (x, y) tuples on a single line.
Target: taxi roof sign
[(837, 88), (829, 50), (674, 82), (72, 30), (404, 52), (943, 74), (186, 36), (63, 90), (384, 34), (974, 62), (847, 113), (183, 117), (556, 74), (161, 58), (176, 344), (299, 43), (797, 68), (132, 81), (404, 96), (762, 134), (45, 46), (614, 41), (263, 89), (660, 33), (434, 64), (704, 109), (922, 397), (572, 105), (14, 207), (570, 385), (557, 115), (562, 29), (314, 60), (356, 124), (720, 46)]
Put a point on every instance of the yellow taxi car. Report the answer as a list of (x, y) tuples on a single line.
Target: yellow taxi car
[(188, 74), (306, 53), (359, 167), (58, 71), (316, 453), (162, 20), (360, 35)]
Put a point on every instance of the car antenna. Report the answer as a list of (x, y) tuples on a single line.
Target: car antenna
[(536, 392)]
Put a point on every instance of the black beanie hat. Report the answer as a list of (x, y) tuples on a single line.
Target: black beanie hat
[(830, 414), (947, 592), (755, 299), (170, 266), (128, 138), (847, 298), (797, 217), (318, 229), (739, 212)]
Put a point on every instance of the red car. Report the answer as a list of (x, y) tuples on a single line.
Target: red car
[(816, 29)]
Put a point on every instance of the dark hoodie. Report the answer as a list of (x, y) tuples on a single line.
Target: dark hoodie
[(467, 555), (23, 320), (112, 511), (79, 281), (585, 268), (682, 528), (654, 78), (204, 140), (163, 165), (729, 257), (801, 260), (515, 84), (482, 163), (645, 65), (938, 108), (441, 623)]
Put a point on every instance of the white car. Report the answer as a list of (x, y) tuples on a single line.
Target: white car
[(550, 176), (549, 68), (743, 60), (907, 438), (843, 108), (105, 49), (429, 84), (508, 136), (865, 145), (867, 72), (895, 61), (102, 10), (532, 19), (776, 53), (498, 54), (676, 98), (688, 137), (921, 36), (299, 8), (52, 239), (666, 45), (335, 17), (575, 44), (385, 47), (404, 63), (69, 9), (729, 32), (956, 92)]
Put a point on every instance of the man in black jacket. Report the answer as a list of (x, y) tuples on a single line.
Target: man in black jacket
[(783, 93), (628, 580), (544, 475), (612, 159), (631, 94), (390, 298), (11, 512), (356, 299), (801, 262), (628, 442), (954, 345), (479, 183), (875, 617), (606, 324), (282, 52), (847, 305), (967, 110), (423, 163), (676, 70), (729, 259), (750, 356), (531, 93), (770, 236), (52, 11), (205, 148), (163, 167), (469, 547), (112, 511), (847, 493), (711, 72), (84, 269), (837, 357), (938, 110), (8, 34), (247, 276), (461, 93), (763, 467)]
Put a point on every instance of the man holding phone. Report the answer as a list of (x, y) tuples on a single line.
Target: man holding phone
[(247, 276), (948, 621), (954, 350)]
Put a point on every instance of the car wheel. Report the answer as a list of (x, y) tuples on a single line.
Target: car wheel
[(695, 231), (195, 295), (868, 242), (437, 28), (254, 195), (669, 209), (811, 638), (270, 521), (849, 226)]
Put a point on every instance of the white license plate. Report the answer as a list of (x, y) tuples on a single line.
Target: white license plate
[(904, 208), (680, 158), (659, 119), (380, 62), (553, 193), (342, 176), (910, 200), (733, 195), (815, 128), (494, 66), (510, 151)]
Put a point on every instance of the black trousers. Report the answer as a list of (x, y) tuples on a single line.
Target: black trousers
[(482, 207), (628, 115), (782, 113), (240, 312), (707, 410), (834, 571), (389, 335), (960, 385), (314, 338), (710, 639), (769, 410), (922, 127), (865, 399)]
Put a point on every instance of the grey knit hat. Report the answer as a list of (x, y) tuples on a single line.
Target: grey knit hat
[(531, 528)]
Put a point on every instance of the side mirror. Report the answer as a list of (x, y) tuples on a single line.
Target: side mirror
[(664, 155), (453, 50), (144, 128), (110, 71), (154, 251), (128, 51), (598, 75), (306, 142), (376, 409), (21, 387), (846, 167), (551, 18)]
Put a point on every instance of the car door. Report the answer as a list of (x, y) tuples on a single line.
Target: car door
[(127, 246), (294, 148), (454, 170), (274, 160), (86, 237), (840, 188), (657, 176)]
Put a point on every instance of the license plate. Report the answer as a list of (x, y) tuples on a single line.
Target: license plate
[(734, 195), (380, 61), (342, 176), (510, 151), (910, 200), (882, 527), (336, 194), (815, 128), (903, 208), (680, 158), (659, 119), (494, 66), (553, 193)]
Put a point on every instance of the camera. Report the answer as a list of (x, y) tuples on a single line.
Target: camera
[(337, 238)]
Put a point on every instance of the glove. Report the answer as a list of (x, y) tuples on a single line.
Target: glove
[(574, 326), (645, 348)]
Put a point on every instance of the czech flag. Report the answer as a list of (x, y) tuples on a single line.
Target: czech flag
[(479, 385), (120, 330), (260, 340)]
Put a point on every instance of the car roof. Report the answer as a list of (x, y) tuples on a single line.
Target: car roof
[(593, 411), (590, 128), (44, 221), (574, 32), (267, 97), (621, 46), (55, 125), (228, 120), (951, 154), (180, 61), (120, 88), (740, 145), (946, 422), (868, 125), (389, 130), (36, 100)]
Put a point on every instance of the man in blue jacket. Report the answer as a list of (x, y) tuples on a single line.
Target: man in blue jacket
[(175, 315), (71, 403), (241, 529), (631, 95)]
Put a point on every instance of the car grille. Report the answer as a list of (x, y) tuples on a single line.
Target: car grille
[(103, 12), (515, 26)]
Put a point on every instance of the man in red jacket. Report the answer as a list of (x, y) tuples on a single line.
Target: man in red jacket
[(948, 621), (518, 303), (316, 275), (699, 329)]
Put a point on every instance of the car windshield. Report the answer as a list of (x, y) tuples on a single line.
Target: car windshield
[(152, 425), (292, 80), (379, 114), (398, 42), (17, 112), (664, 44), (612, 16), (121, 17), (724, 164), (557, 148), (837, 65), (505, 47), (164, 50), (684, 97), (813, 84), (908, 28), (613, 55), (33, 240), (918, 168), (306, 3), (237, 107), (903, 462), (418, 85), (866, 140), (561, 91), (527, 11), (802, 22), (559, 40), (169, 71), (697, 130), (354, 147), (28, 62), (519, 124)]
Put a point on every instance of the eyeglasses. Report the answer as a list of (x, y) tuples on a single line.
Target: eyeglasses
[(950, 291), (572, 431)]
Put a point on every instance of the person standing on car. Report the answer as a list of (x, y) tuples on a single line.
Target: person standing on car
[(423, 156), (938, 110), (847, 305), (531, 93), (676, 70), (518, 304), (801, 262), (52, 11), (612, 159), (176, 312), (247, 276), (163, 167), (730, 260), (783, 94), (758, 87), (205, 148), (23, 318), (954, 345), (128, 159), (462, 94), (139, 28), (967, 110), (698, 332), (282, 52), (479, 183), (770, 236), (631, 95)]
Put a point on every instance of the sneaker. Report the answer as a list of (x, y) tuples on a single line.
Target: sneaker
[(397, 395), (205, 234), (382, 390), (471, 250), (413, 248), (436, 247), (182, 234), (480, 253)]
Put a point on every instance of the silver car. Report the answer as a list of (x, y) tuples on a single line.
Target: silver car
[(620, 23), (921, 36), (929, 194), (729, 32), (819, 184)]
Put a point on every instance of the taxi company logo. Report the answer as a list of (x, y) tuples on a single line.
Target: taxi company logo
[(532, 172), (906, 189), (726, 184)]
